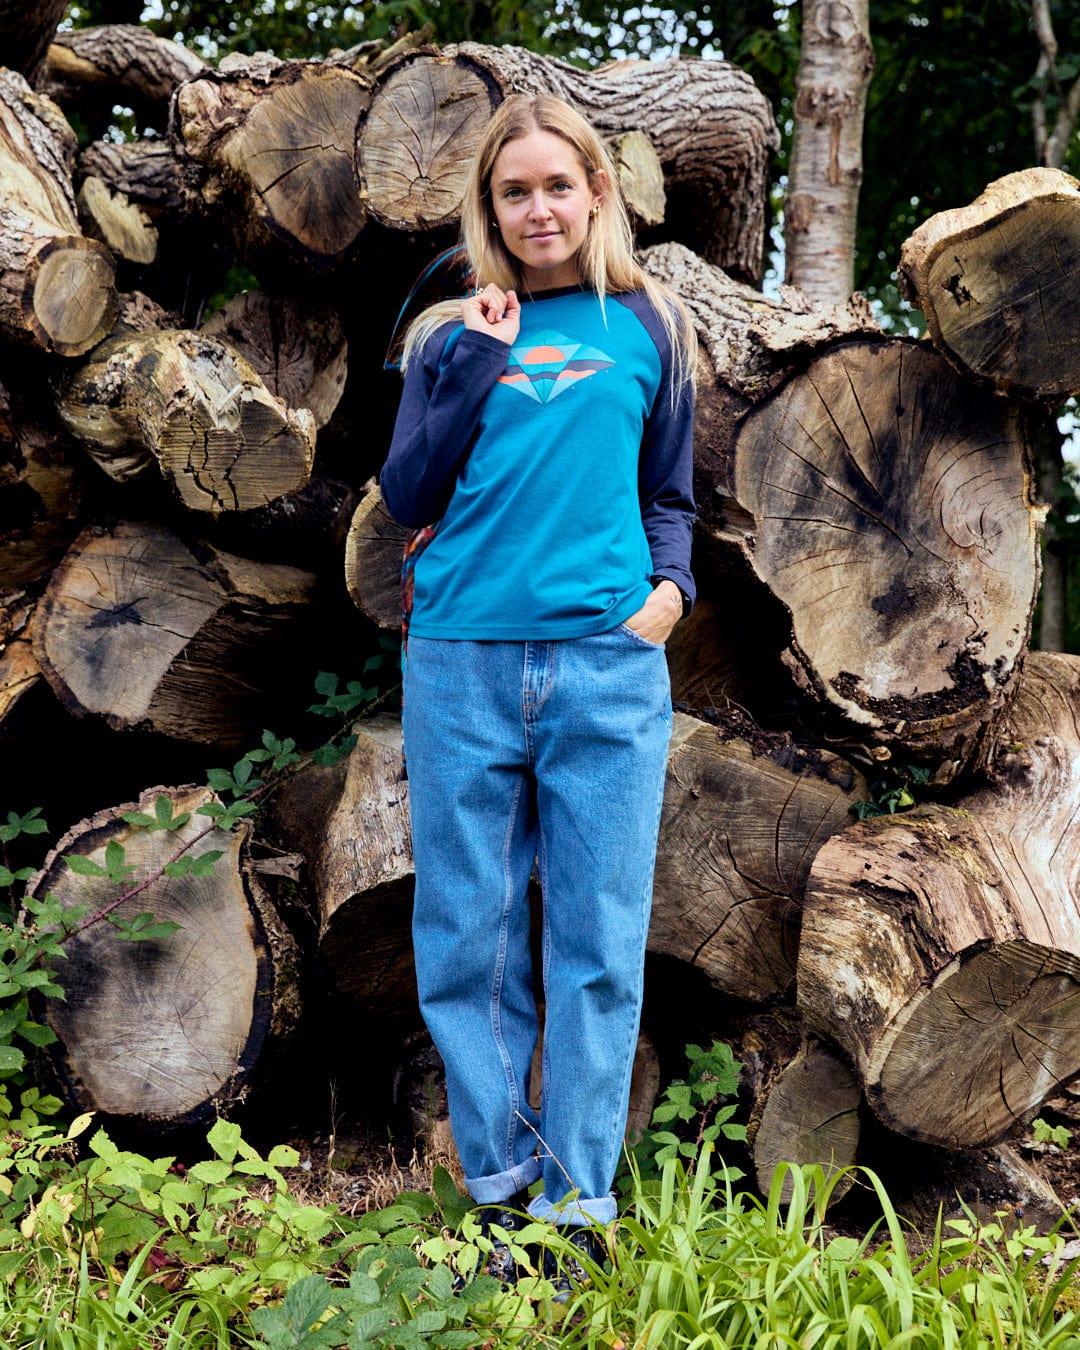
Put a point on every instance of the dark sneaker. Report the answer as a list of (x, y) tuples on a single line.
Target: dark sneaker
[(566, 1273), (509, 1216)]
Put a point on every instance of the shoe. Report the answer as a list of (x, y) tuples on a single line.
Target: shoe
[(510, 1216), (566, 1273)]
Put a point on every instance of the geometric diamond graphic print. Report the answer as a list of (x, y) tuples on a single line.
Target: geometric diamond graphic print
[(549, 364)]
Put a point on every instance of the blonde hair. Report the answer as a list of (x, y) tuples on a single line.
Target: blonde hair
[(606, 261)]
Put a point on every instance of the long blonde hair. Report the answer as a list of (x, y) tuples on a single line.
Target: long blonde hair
[(606, 261)]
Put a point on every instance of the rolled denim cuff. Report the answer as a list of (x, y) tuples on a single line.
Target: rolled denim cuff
[(500, 1186), (573, 1212)]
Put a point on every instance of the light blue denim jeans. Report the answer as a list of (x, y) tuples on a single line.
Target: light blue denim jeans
[(516, 752)]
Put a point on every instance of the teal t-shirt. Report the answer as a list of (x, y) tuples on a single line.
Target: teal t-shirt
[(543, 447)]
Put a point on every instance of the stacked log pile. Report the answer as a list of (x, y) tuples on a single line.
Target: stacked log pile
[(191, 530)]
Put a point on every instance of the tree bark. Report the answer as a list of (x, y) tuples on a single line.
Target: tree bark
[(138, 629), (166, 1031), (26, 29), (351, 822), (711, 128), (56, 287), (889, 508), (994, 279), (122, 63), (941, 948), (146, 172), (825, 174), (744, 813), (197, 409)]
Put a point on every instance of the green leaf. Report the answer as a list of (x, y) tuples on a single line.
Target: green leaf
[(12, 1059), (326, 755), (36, 1034), (138, 818), (84, 867), (179, 867), (326, 683), (224, 1138), (212, 1171), (114, 860), (203, 865)]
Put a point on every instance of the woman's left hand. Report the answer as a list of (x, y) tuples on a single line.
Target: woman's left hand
[(659, 614)]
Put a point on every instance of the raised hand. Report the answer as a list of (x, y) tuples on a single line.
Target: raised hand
[(493, 311)]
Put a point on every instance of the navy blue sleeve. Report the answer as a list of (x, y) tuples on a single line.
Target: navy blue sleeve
[(439, 411), (666, 464)]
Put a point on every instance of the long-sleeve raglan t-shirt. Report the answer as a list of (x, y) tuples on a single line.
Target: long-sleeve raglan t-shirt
[(558, 469)]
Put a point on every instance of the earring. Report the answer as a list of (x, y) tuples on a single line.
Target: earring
[(596, 210)]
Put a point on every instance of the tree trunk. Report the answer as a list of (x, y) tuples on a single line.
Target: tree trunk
[(136, 628), (26, 29), (298, 349), (804, 1101), (889, 508), (995, 281), (19, 670), (710, 126), (123, 228), (352, 824), (168, 1030), (56, 287), (120, 63), (373, 556), (748, 343), (271, 146), (744, 813), (941, 948), (146, 172), (835, 62), (199, 410)]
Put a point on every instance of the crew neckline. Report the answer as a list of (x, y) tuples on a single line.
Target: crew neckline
[(555, 293)]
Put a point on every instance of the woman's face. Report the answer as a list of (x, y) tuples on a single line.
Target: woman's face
[(542, 199)]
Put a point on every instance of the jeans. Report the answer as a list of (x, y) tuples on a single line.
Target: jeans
[(521, 752)]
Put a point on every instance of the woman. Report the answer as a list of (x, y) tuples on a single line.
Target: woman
[(545, 424)]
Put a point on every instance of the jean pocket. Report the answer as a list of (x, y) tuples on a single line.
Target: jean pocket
[(637, 639)]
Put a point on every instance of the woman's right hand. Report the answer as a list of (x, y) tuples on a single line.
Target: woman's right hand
[(495, 312)]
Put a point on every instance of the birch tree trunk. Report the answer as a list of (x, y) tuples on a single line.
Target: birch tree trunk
[(835, 63)]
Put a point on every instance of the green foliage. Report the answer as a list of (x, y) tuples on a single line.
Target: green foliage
[(892, 792), (693, 1112), (1045, 1133)]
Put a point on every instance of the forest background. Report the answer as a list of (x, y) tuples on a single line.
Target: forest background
[(961, 93)]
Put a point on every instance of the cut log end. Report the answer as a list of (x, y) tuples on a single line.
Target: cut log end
[(161, 1030), (240, 462), (982, 1048), (811, 1116), (419, 137), (71, 299)]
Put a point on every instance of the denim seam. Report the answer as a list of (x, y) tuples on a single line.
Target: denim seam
[(497, 982), (619, 1127), (545, 1066)]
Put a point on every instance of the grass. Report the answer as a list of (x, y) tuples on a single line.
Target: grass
[(693, 1264)]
